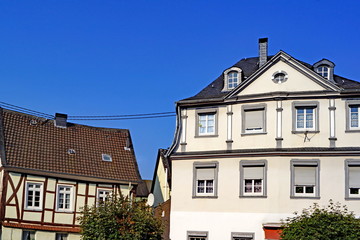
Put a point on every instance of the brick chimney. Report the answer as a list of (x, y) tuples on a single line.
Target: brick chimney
[(263, 51), (61, 120)]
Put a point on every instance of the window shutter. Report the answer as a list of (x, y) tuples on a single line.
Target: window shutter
[(254, 172), (254, 119), (354, 176), (205, 173), (305, 175)]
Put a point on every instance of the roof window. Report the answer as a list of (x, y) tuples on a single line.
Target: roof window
[(71, 151), (325, 68), (106, 157), (232, 78)]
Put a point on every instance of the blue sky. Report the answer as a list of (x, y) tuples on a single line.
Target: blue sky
[(113, 57)]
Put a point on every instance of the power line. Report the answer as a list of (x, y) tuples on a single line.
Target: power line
[(90, 118)]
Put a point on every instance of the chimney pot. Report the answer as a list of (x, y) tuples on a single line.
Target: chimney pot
[(263, 51), (61, 120)]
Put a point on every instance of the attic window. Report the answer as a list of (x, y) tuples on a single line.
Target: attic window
[(279, 77), (323, 71), (71, 151), (106, 157), (232, 78)]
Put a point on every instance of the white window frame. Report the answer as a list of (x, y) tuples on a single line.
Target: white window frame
[(248, 108), (205, 165), (305, 120), (206, 112), (275, 77), (226, 77), (208, 117), (349, 163), (102, 198), (197, 235), (32, 207), (352, 104), (322, 69), (233, 79), (244, 164), (242, 235), (313, 163), (315, 115), (106, 157), (71, 192)]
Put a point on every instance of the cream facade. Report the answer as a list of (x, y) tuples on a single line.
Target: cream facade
[(277, 138)]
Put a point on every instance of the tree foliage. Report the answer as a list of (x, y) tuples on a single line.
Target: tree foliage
[(119, 219), (333, 222)]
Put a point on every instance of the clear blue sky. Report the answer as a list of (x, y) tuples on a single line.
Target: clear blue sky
[(111, 57)]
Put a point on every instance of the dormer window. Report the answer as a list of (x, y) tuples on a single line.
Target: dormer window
[(325, 68), (232, 78), (323, 71)]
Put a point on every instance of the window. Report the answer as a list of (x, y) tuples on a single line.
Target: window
[(64, 198), (323, 71), (352, 115), (28, 235), (352, 181), (34, 192), (61, 236), (103, 195), (197, 235), (305, 116), (279, 77), (206, 122), (233, 79), (106, 157), (253, 119), (205, 179), (253, 178), (305, 178), (242, 236)]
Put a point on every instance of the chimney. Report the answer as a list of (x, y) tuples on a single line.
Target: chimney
[(60, 120), (263, 51)]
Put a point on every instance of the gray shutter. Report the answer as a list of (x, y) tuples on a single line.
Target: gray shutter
[(305, 175), (254, 119), (254, 172), (354, 177), (205, 173)]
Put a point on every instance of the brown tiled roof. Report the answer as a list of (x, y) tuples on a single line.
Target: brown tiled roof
[(35, 143)]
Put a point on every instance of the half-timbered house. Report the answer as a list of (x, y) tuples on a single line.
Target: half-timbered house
[(50, 169)]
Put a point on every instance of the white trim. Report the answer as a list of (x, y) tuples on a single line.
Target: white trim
[(34, 190), (229, 122), (98, 196), (226, 78), (106, 157), (71, 198)]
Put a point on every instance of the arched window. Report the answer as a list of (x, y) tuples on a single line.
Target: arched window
[(232, 78)]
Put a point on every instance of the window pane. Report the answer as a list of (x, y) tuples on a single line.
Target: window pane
[(299, 189), (257, 185), (309, 189), (354, 190), (248, 186)]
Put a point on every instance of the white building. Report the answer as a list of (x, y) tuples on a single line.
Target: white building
[(272, 135)]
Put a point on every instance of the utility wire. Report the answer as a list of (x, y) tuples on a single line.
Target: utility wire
[(89, 118)]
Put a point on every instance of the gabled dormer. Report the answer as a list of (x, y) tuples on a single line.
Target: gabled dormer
[(232, 78), (325, 68)]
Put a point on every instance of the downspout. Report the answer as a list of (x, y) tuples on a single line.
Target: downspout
[(177, 132)]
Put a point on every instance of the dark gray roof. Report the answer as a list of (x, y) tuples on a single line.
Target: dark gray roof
[(249, 66)]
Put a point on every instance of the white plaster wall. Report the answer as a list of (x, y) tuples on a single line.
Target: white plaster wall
[(11, 233), (161, 188)]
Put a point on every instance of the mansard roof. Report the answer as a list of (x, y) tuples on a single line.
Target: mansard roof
[(250, 66), (36, 146)]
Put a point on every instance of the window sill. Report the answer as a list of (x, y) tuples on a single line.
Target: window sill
[(255, 133), (204, 196), (253, 196), (298, 131), (205, 136), (352, 198), (33, 209), (304, 197), (64, 211), (352, 131)]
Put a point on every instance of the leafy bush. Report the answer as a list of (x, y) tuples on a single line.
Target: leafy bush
[(119, 219), (328, 223)]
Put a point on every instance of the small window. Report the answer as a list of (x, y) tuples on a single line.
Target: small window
[(106, 157), (352, 181), (233, 79), (197, 236), (305, 116), (28, 235), (279, 77), (242, 236), (61, 236), (65, 198), (253, 118), (305, 178), (252, 178), (205, 179), (206, 122), (103, 195), (34, 194), (323, 71)]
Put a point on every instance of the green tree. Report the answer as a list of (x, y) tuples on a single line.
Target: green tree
[(333, 222), (119, 219)]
